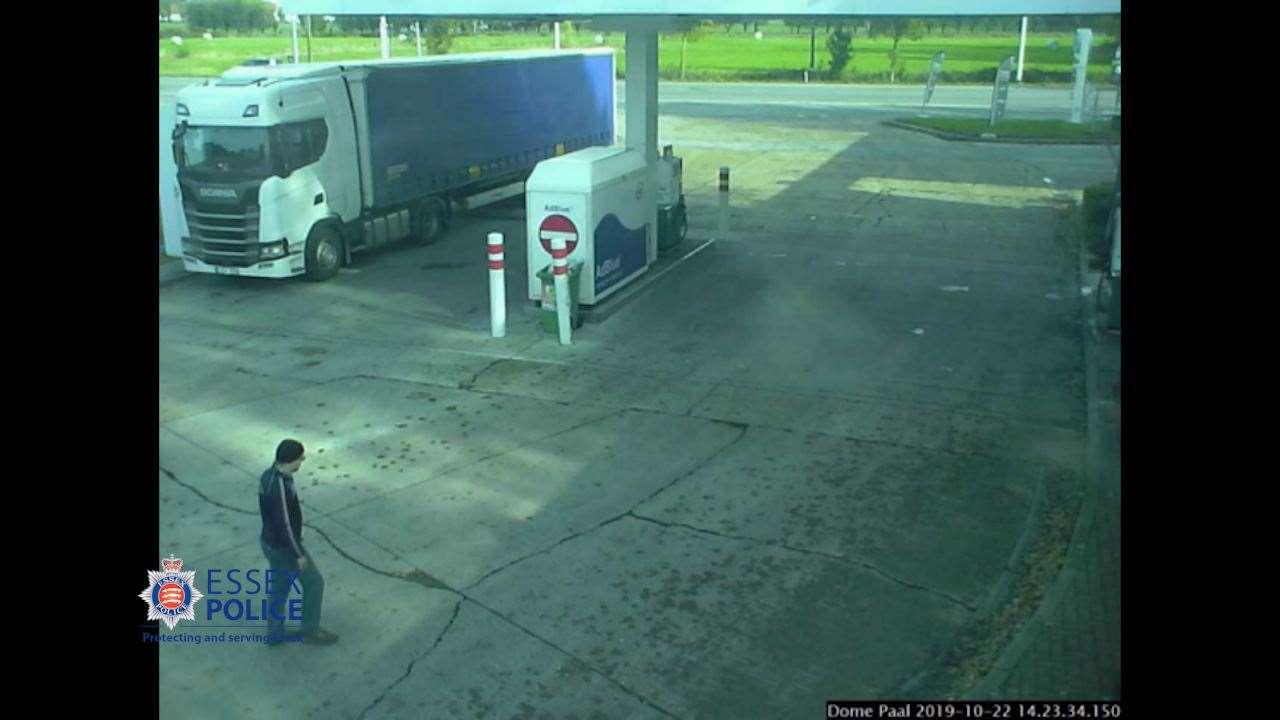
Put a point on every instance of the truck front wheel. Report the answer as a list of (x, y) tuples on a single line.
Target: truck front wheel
[(323, 253)]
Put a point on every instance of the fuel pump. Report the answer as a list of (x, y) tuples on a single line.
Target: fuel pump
[(673, 222)]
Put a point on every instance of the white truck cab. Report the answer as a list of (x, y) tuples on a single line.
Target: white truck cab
[(265, 155)]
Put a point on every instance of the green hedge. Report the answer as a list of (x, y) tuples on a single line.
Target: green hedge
[(169, 29)]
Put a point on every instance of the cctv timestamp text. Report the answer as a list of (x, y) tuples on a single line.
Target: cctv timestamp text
[(973, 709)]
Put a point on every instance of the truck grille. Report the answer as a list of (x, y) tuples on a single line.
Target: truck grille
[(223, 237)]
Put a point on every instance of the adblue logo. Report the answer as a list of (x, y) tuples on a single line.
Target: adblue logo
[(609, 266)]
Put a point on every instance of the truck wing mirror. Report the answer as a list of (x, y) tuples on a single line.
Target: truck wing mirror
[(178, 131)]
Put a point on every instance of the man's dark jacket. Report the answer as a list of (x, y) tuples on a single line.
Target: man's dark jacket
[(281, 513)]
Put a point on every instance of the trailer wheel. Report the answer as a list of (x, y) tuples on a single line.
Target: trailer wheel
[(430, 222), (323, 253)]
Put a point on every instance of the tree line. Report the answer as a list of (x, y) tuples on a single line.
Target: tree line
[(248, 16)]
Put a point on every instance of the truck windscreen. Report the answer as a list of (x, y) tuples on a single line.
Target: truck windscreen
[(224, 153)]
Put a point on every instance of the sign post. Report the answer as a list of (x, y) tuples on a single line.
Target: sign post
[(1115, 73), (1022, 47), (560, 266), (559, 236), (935, 67), (1000, 92), (1084, 38)]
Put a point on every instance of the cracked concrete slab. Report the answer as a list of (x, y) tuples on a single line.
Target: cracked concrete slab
[(508, 673), (194, 529), (467, 523), (384, 623), (705, 626), (934, 520), (366, 437), (592, 385), (933, 426), (209, 380), (324, 359)]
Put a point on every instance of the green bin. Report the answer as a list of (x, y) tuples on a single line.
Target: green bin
[(550, 322)]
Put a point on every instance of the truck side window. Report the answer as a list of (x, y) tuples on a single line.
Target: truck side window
[(318, 136), (293, 146)]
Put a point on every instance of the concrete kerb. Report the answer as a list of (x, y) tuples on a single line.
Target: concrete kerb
[(1007, 663), (1015, 141)]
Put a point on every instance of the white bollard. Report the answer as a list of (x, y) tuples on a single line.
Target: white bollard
[(724, 202), (560, 267), (497, 286)]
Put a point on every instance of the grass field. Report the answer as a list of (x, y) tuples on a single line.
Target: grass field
[(779, 56)]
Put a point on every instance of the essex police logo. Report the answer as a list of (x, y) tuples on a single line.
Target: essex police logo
[(172, 594)]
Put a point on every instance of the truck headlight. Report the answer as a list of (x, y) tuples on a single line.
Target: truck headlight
[(275, 249), (189, 246)]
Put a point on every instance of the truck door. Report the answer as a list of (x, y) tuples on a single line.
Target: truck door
[(338, 169)]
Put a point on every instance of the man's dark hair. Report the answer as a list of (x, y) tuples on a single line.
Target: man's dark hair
[(288, 451)]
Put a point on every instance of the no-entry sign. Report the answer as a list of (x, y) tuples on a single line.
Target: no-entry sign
[(558, 226)]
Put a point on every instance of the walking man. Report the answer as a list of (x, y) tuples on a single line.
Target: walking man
[(282, 544)]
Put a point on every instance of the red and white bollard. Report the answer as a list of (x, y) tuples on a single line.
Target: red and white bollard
[(560, 268), (497, 286), (724, 202)]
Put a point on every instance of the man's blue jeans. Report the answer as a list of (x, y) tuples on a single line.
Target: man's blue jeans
[(284, 567)]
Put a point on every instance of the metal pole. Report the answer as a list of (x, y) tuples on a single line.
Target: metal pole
[(1084, 38), (813, 45), (308, 38), (724, 202), (557, 36), (497, 286), (382, 32), (1022, 47), (560, 267), (295, 40), (417, 32)]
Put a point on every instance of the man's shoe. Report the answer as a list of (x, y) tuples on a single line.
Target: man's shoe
[(320, 637)]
